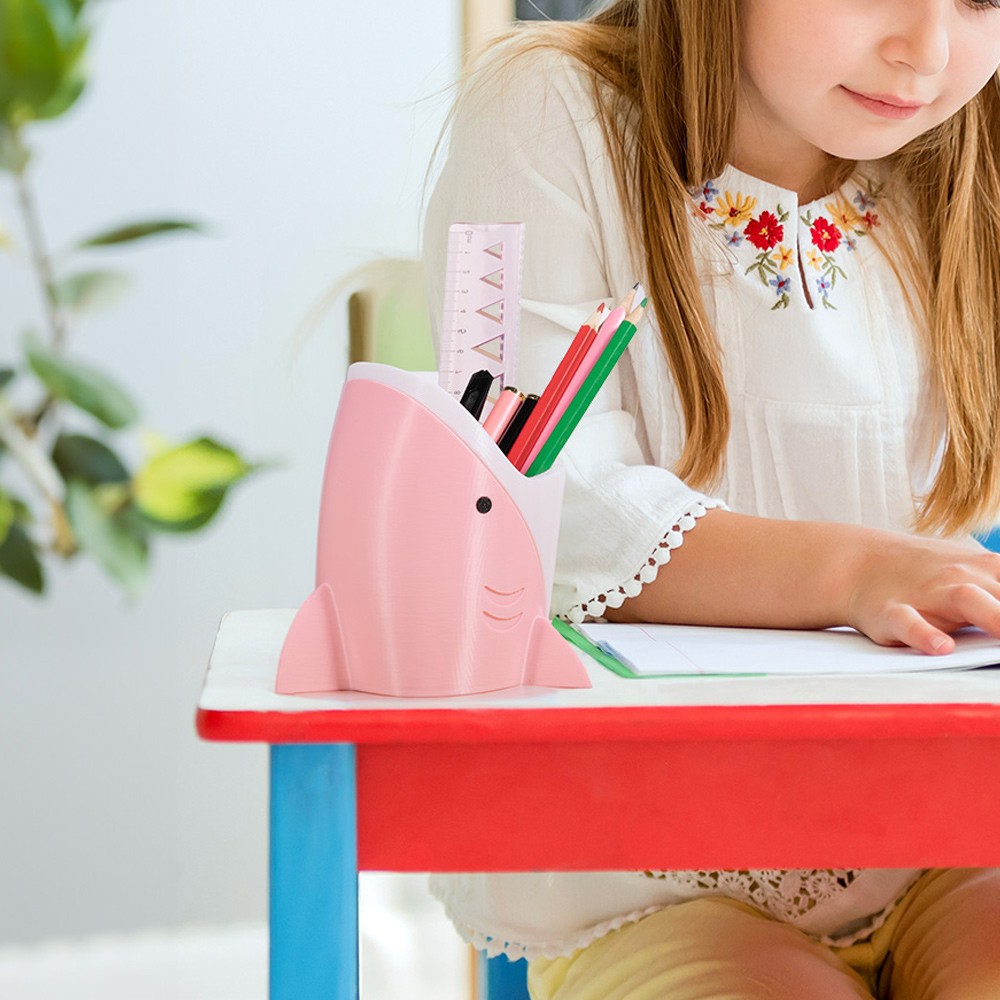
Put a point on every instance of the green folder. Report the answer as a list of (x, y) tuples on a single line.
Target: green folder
[(616, 666)]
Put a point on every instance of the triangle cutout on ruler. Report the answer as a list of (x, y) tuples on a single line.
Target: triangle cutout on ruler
[(492, 349), (495, 251), (493, 311), (495, 279)]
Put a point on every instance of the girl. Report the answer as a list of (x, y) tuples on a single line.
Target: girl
[(802, 436)]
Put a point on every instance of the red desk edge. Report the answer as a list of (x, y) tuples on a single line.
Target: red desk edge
[(625, 724)]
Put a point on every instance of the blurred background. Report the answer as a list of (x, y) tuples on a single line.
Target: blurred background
[(133, 856)]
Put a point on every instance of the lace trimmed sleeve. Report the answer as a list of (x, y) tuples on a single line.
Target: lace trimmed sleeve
[(622, 517), (594, 608)]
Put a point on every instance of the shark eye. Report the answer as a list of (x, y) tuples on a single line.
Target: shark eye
[(484, 505)]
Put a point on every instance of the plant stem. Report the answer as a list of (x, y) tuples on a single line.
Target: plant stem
[(19, 431), (42, 472), (39, 254)]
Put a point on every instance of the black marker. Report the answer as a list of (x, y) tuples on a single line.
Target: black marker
[(474, 397), (517, 421)]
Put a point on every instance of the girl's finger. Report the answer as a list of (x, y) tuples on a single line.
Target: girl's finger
[(989, 566), (975, 605), (908, 626)]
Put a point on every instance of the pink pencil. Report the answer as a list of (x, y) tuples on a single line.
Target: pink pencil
[(604, 335)]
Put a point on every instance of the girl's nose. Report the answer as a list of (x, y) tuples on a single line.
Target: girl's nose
[(919, 36)]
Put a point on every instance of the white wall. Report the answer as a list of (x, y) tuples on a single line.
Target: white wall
[(293, 129)]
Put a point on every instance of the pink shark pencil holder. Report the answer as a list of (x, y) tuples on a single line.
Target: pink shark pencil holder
[(435, 555)]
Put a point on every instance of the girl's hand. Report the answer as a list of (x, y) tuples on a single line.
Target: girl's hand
[(914, 591)]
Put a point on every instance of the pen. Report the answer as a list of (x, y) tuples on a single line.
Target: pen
[(499, 417), (576, 380), (553, 392), (578, 406), (524, 411), (474, 397)]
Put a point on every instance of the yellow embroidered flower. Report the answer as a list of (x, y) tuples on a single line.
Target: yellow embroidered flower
[(843, 216), (813, 259), (735, 209), (784, 257)]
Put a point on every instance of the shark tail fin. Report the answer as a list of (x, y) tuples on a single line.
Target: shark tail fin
[(551, 661), (313, 657)]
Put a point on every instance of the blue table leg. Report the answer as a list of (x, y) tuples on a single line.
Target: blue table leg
[(502, 979), (314, 873)]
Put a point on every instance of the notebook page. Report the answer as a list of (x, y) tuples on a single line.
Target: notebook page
[(692, 650)]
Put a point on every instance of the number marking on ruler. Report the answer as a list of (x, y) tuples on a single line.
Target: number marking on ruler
[(481, 305)]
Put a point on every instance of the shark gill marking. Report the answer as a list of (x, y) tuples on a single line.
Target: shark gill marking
[(504, 598), (502, 624)]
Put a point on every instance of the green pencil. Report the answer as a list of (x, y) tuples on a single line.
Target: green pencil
[(586, 393)]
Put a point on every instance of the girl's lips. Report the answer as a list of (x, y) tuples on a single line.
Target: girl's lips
[(884, 105)]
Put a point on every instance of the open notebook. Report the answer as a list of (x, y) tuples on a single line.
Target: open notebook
[(688, 650)]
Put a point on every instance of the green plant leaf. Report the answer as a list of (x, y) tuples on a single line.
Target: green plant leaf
[(64, 97), (7, 376), (7, 515), (182, 488), (73, 82), (86, 387), (19, 560), (22, 512), (77, 456), (31, 59), (63, 15), (90, 290), (111, 538), (139, 231), (42, 43), (208, 505)]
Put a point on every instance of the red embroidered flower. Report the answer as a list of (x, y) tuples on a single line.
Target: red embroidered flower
[(825, 235), (870, 220), (765, 231), (706, 209)]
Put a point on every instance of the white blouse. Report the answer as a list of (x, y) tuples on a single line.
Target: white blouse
[(831, 420)]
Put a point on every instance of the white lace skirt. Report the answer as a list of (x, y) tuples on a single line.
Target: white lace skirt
[(532, 915)]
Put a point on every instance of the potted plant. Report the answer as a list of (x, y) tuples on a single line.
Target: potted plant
[(65, 487)]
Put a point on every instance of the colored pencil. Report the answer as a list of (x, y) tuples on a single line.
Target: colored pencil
[(554, 391), (572, 387), (578, 405)]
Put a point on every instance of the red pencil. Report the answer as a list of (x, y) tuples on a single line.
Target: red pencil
[(549, 399)]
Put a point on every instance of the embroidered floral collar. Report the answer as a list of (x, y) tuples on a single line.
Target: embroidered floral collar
[(766, 229)]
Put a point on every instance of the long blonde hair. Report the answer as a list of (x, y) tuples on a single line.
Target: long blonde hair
[(666, 79)]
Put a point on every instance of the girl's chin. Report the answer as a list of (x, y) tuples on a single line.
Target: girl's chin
[(864, 151), (852, 144)]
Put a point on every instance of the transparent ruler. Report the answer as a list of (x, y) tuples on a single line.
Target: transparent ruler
[(482, 305)]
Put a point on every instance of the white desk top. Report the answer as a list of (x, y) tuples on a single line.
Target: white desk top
[(245, 658)]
